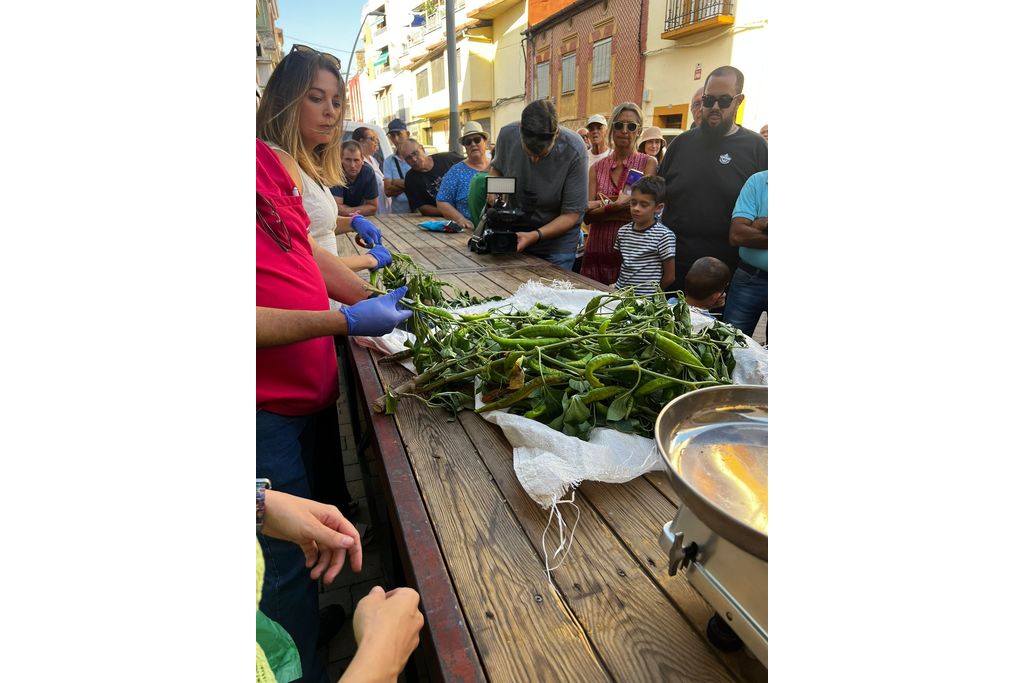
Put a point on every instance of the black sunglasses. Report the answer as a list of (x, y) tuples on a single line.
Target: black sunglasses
[(628, 125), (284, 242), (472, 141), (724, 101), (306, 50)]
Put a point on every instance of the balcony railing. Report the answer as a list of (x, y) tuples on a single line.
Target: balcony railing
[(680, 13)]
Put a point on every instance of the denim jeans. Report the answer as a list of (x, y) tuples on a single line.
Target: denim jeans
[(284, 454), (746, 301), (563, 260)]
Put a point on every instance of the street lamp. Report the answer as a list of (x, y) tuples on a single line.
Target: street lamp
[(355, 42)]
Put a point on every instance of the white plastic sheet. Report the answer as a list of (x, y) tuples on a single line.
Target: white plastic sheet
[(548, 463)]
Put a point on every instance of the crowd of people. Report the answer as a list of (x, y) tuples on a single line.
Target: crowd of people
[(690, 217)]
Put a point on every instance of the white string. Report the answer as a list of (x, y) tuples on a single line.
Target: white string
[(563, 545)]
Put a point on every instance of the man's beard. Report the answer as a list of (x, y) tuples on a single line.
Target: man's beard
[(719, 131)]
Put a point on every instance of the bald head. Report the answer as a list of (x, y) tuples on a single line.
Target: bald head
[(412, 153), (696, 108)]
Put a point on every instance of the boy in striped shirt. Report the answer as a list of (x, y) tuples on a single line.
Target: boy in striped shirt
[(647, 247)]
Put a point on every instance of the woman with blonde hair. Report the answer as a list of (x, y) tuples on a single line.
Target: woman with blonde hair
[(300, 117), (608, 208)]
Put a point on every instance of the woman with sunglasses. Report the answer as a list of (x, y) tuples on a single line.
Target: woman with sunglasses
[(453, 196), (608, 207), (300, 118)]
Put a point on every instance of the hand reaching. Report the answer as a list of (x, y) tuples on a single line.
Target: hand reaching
[(316, 528), (387, 629), (376, 316), (382, 255), (367, 230)]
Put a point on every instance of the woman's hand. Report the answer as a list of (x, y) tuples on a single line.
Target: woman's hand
[(387, 629)]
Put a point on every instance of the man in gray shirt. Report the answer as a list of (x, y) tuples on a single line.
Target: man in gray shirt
[(549, 163)]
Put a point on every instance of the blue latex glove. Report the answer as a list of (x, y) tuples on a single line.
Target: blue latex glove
[(382, 255), (367, 230), (377, 316)]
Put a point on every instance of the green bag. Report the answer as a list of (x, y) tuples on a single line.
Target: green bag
[(279, 648), (477, 196)]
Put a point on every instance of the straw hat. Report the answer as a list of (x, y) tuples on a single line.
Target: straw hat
[(652, 133), (472, 128)]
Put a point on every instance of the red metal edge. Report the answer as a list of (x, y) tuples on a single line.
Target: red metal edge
[(449, 635)]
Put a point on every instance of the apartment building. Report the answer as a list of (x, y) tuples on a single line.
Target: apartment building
[(269, 42), (406, 69), (687, 39), (586, 56)]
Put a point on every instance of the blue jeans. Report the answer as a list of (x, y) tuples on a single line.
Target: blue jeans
[(284, 454), (563, 260), (747, 300)]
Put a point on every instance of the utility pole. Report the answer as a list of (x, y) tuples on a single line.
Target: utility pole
[(453, 87)]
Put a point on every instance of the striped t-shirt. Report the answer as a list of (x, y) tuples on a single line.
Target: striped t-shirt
[(642, 255)]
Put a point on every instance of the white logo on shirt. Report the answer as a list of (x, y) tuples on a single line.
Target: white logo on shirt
[(724, 159)]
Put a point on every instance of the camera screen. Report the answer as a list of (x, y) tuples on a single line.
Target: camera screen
[(501, 185)]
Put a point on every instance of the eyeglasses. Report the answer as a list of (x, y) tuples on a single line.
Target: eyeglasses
[(724, 101), (628, 125), (472, 141), (278, 226), (305, 49)]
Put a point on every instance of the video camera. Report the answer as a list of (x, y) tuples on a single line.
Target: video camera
[(496, 232)]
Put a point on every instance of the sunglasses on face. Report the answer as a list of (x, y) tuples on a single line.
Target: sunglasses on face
[(628, 125), (306, 50), (472, 141), (724, 101)]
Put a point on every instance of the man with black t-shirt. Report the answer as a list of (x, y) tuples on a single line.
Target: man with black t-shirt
[(705, 169), (423, 181)]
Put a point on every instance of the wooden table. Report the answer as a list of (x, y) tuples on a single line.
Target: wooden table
[(471, 539)]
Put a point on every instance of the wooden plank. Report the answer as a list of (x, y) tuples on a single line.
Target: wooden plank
[(637, 512), (521, 627), (445, 632), (482, 285), (638, 633)]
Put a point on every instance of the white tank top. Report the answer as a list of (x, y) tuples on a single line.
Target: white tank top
[(320, 207)]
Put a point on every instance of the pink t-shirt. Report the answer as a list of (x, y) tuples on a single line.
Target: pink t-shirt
[(299, 378)]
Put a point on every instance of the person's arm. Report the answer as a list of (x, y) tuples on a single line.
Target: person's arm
[(652, 166), (430, 210), (451, 213), (595, 204), (277, 326), (360, 262), (668, 273), (744, 232), (394, 186), (367, 208), (559, 226), (291, 166), (342, 284), (386, 627), (320, 530)]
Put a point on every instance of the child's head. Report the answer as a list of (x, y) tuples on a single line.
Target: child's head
[(706, 282), (646, 199)]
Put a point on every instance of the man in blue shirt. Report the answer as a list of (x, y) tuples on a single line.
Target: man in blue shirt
[(360, 192), (395, 169), (748, 294)]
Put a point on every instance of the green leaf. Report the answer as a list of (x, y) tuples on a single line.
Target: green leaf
[(620, 407), (579, 386), (577, 412)]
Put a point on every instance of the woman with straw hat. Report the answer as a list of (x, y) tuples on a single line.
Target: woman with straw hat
[(652, 143)]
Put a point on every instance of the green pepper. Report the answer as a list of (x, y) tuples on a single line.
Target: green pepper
[(552, 377), (598, 362), (543, 331), (601, 393), (656, 384), (675, 351), (525, 343)]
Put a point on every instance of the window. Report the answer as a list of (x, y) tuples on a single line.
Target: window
[(569, 73), (437, 74), (602, 61), (421, 84), (543, 81), (402, 113)]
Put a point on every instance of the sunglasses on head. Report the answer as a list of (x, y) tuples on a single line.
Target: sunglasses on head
[(628, 125), (476, 140), (724, 101), (306, 50)]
